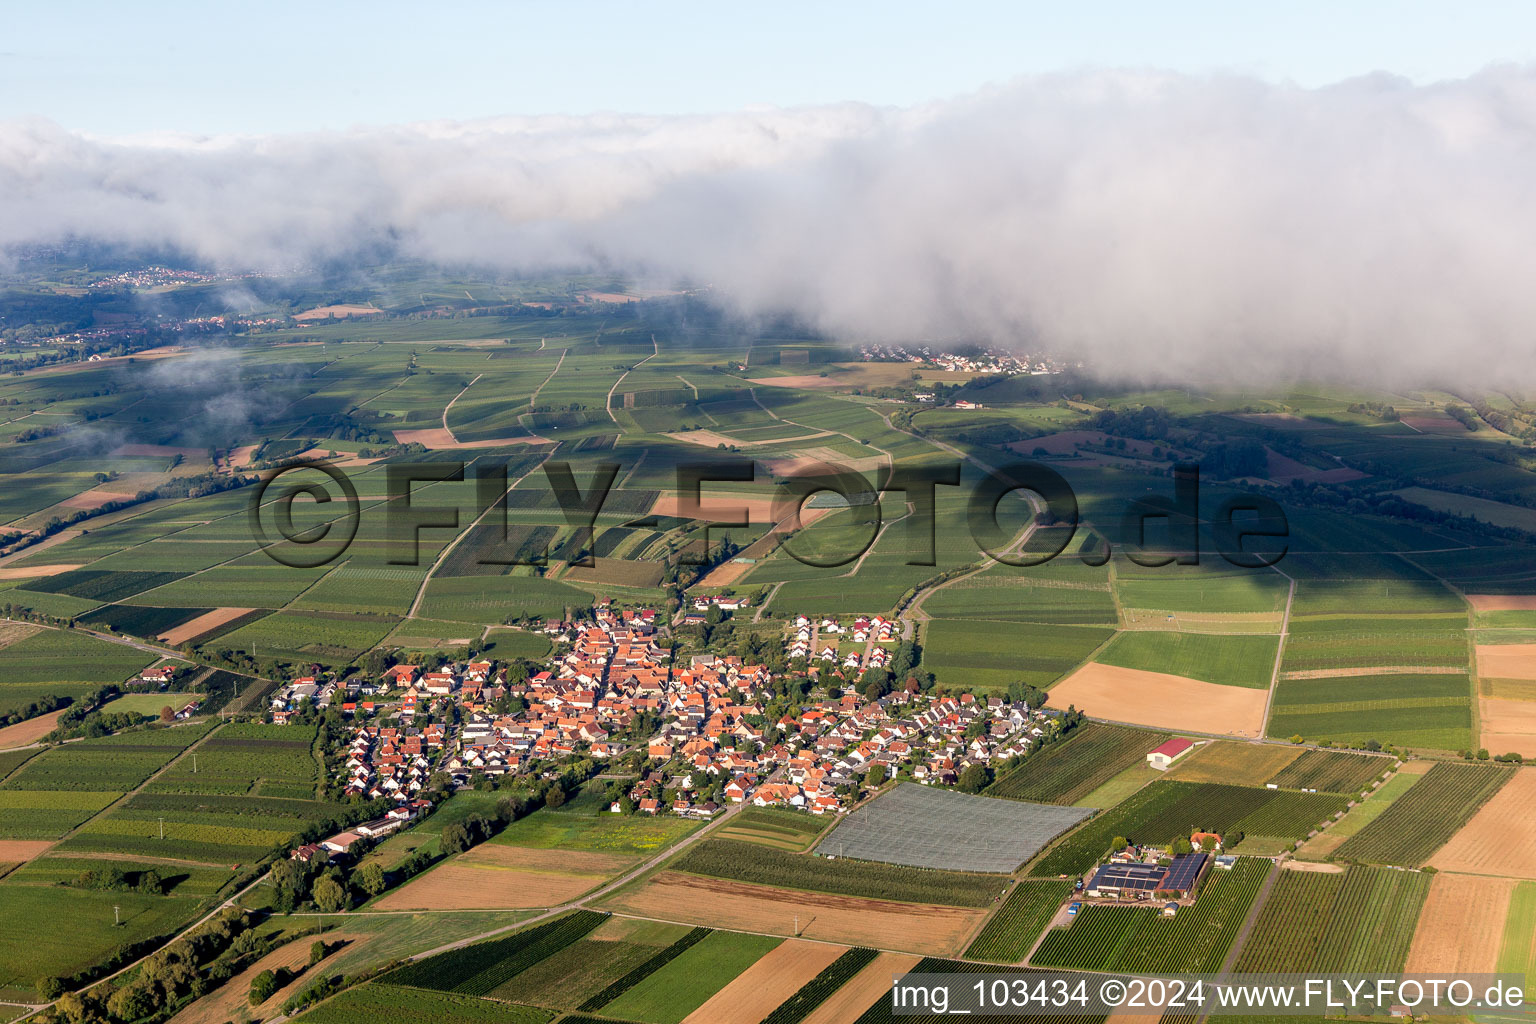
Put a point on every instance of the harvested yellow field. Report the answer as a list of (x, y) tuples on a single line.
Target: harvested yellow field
[(1501, 837), (755, 992), (202, 624), (848, 1003), (1507, 661), (26, 733), (1502, 602), (493, 877), (1162, 701), (19, 851), (717, 903), (27, 572), (1508, 726), (1461, 925)]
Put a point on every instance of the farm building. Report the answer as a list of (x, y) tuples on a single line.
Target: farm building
[(1164, 756), (1141, 880)]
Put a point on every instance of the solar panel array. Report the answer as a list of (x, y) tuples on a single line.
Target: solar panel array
[(926, 827), (1184, 870)]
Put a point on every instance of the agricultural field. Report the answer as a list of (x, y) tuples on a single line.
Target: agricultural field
[(1517, 944), (272, 760), (1162, 701), (1246, 764), (684, 984), (590, 967), (824, 986), (496, 876), (774, 978), (1421, 821), (1142, 940), (850, 920), (1461, 924), (1289, 929), (327, 637), (119, 762), (1233, 659), (936, 828), (1332, 771), (1168, 809), (792, 831), (1500, 838), (760, 865), (1371, 924), (1012, 930), (991, 655), (368, 1003), (607, 833), (28, 952), (1069, 770), (64, 662), (1429, 710), (48, 814), (484, 967)]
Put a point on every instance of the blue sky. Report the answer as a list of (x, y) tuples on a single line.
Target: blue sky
[(116, 68)]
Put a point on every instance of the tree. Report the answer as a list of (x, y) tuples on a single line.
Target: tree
[(1119, 843), (49, 989), (371, 878), (329, 896), (264, 985), (131, 1002), (876, 776), (974, 779), (317, 950), (167, 715), (1182, 845), (555, 798)]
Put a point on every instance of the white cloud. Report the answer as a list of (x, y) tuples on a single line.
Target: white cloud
[(1152, 223)]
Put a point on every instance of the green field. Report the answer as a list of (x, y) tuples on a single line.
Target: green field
[(484, 967), (1013, 928), (684, 984), (1517, 946), (1066, 771), (1142, 940), (1290, 926), (1332, 771), (118, 762), (993, 654), (608, 833), (1359, 921), (368, 1003), (1418, 823), (751, 862), (1371, 924), (28, 952), (47, 814), (66, 656), (1229, 658)]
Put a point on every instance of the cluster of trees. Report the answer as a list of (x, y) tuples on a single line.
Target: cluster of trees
[(1461, 414), (114, 879), (1481, 754), (1376, 410)]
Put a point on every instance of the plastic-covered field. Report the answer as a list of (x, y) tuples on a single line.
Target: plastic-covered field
[(939, 828)]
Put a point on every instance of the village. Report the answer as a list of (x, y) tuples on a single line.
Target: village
[(693, 734)]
